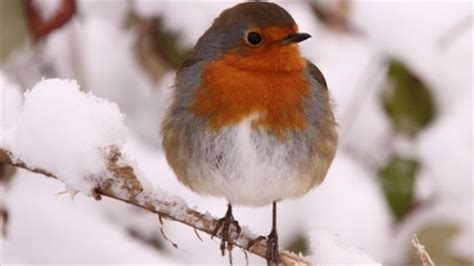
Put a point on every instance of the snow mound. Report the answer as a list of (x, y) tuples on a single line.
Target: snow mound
[(328, 249), (65, 131)]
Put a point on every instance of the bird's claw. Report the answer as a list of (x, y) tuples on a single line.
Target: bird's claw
[(255, 241), (225, 223), (272, 255)]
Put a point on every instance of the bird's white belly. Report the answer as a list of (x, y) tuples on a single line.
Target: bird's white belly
[(254, 168)]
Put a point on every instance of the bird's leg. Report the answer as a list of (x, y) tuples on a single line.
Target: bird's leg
[(272, 255), (225, 224)]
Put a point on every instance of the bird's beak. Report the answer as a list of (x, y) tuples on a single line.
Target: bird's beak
[(296, 37)]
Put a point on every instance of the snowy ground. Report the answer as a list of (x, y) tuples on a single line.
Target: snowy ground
[(346, 219)]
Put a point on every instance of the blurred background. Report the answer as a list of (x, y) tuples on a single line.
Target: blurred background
[(400, 74)]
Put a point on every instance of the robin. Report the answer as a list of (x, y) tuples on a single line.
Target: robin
[(251, 119)]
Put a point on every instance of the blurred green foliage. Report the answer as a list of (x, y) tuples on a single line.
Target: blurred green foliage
[(157, 48), (169, 43), (436, 239), (407, 101), (298, 244), (397, 177), (13, 31)]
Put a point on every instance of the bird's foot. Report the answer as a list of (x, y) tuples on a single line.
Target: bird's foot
[(272, 256), (226, 224), (255, 241)]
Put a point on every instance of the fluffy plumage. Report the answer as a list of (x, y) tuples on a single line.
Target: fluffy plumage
[(251, 124)]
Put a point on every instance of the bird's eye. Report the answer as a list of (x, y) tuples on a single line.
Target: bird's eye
[(254, 38)]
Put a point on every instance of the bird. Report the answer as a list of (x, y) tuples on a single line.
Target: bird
[(250, 119)]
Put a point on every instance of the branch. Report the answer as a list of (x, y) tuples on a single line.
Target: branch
[(129, 190), (454, 32), (335, 16), (421, 252), (40, 27)]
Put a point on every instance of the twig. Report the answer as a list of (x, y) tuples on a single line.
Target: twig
[(246, 257), (197, 234), (364, 86), (3, 222), (165, 207), (162, 230), (335, 16), (421, 252), (40, 27), (454, 32)]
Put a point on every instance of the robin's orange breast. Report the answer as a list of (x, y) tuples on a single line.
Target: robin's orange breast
[(236, 87)]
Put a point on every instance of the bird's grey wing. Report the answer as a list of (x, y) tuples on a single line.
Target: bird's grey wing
[(317, 74), (322, 134)]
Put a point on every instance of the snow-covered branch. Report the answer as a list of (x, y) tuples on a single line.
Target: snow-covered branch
[(125, 187)]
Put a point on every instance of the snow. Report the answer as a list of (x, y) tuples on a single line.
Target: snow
[(201, 15), (64, 130), (47, 8), (437, 213), (105, 64), (443, 138), (65, 231), (461, 244), (113, 11), (329, 249), (417, 44), (348, 203)]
